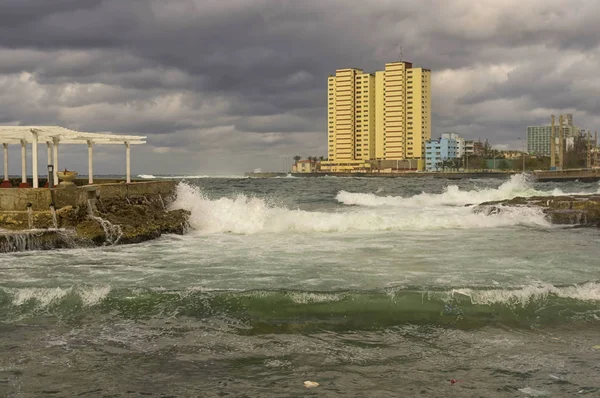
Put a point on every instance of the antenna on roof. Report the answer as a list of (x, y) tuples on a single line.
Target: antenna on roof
[(400, 58)]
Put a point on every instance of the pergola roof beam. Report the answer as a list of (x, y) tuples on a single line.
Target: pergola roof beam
[(55, 135)]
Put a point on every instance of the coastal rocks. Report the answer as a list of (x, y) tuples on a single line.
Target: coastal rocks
[(123, 221), (580, 210), (35, 240), (99, 221)]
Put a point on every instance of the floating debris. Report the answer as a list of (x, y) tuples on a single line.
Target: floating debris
[(310, 384)]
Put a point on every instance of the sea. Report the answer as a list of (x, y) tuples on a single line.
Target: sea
[(328, 287)]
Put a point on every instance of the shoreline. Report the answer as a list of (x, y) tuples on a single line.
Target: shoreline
[(447, 175), (88, 216), (581, 175)]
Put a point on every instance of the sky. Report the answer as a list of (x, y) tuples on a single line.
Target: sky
[(220, 87)]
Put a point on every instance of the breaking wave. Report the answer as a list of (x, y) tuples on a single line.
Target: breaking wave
[(250, 215), (183, 177), (280, 310), (518, 185)]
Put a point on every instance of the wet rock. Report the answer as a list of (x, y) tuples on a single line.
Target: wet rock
[(581, 210), (108, 222), (125, 222)]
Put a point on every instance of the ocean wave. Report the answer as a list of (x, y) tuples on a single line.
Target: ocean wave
[(518, 185), (250, 215), (189, 177), (525, 306), (289, 175)]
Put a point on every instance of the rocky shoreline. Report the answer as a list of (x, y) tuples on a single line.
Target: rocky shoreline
[(99, 221), (578, 210)]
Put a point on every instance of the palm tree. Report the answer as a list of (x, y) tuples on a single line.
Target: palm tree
[(297, 158)]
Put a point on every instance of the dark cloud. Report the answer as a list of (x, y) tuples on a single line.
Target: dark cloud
[(238, 84)]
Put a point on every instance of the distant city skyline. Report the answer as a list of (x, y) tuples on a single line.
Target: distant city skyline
[(226, 87)]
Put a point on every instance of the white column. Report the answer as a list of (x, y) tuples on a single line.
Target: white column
[(90, 162), (23, 162), (128, 160), (55, 159), (5, 161), (49, 145), (34, 158), (49, 148)]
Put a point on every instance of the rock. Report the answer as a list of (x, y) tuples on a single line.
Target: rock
[(108, 222), (581, 210)]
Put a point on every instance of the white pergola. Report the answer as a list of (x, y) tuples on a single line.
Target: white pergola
[(55, 135)]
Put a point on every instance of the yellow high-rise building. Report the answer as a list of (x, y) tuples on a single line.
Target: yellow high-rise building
[(351, 119), (375, 117)]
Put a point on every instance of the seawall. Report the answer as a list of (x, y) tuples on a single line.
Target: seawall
[(90, 215), (583, 175), (446, 175)]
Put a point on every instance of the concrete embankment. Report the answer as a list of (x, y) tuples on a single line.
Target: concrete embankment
[(583, 175), (91, 215)]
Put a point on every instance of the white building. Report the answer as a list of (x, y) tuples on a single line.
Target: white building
[(460, 143)]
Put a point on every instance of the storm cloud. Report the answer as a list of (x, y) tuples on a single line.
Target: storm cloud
[(221, 87)]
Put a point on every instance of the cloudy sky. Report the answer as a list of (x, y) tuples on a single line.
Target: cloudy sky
[(227, 86)]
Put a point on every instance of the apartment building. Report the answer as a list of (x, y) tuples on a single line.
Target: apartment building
[(438, 151), (539, 137), (460, 143), (378, 116)]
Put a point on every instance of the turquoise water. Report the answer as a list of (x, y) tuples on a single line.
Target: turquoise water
[(369, 286)]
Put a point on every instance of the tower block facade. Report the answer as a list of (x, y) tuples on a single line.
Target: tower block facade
[(375, 117)]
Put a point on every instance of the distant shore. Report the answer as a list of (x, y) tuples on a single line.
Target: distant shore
[(583, 175), (448, 175)]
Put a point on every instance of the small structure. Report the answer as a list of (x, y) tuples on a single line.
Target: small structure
[(304, 166), (53, 136)]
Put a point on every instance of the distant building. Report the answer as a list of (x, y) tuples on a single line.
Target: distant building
[(378, 116), (304, 166), (460, 143), (538, 137), (478, 148), (474, 148), (438, 151), (469, 147)]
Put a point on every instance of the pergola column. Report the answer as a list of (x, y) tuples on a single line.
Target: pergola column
[(5, 161), (128, 161), (55, 141), (49, 146), (6, 182), (34, 158), (90, 144), (23, 164)]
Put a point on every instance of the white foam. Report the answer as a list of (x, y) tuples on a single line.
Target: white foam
[(310, 297), (518, 185), (93, 295), (250, 215), (182, 177), (528, 294), (44, 296), (289, 175)]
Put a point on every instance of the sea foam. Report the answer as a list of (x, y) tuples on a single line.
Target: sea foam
[(585, 292), (518, 185), (250, 215)]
